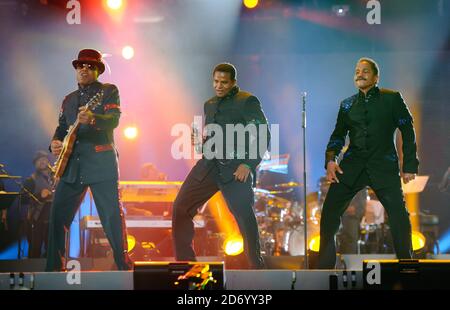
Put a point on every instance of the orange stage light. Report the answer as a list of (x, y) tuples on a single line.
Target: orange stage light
[(233, 245), (131, 242), (418, 240), (250, 4), (314, 243), (226, 224)]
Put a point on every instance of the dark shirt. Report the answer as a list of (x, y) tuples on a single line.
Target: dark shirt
[(234, 109), (360, 119), (237, 108)]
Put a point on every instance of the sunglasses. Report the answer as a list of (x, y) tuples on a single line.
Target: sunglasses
[(85, 65)]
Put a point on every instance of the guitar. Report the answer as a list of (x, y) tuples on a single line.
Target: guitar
[(61, 162)]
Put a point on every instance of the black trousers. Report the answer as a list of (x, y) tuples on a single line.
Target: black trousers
[(193, 194), (67, 199), (337, 201), (37, 232), (38, 237)]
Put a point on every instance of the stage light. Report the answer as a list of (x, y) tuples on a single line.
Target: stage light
[(418, 240), (234, 245), (250, 4), (314, 243), (131, 242), (114, 4), (341, 10), (127, 52), (130, 132)]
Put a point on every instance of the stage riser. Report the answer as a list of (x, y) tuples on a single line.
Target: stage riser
[(235, 280), (102, 280), (353, 262), (289, 280)]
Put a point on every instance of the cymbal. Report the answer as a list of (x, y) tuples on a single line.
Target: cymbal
[(287, 185), (277, 202), (264, 192), (270, 198), (283, 191), (6, 176), (261, 192)]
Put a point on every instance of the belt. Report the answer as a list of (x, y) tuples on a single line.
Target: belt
[(103, 148)]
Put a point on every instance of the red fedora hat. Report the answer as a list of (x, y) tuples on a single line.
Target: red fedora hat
[(90, 56)]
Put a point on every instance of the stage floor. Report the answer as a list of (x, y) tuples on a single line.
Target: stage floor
[(349, 278)]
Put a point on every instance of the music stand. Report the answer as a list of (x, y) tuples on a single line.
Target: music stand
[(6, 176), (415, 186)]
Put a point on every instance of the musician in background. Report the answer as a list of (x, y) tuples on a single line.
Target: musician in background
[(40, 185), (92, 163), (373, 227), (350, 220), (149, 172)]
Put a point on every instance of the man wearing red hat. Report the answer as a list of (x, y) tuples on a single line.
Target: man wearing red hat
[(93, 162)]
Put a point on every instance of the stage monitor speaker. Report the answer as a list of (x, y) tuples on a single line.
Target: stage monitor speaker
[(178, 276), (406, 274)]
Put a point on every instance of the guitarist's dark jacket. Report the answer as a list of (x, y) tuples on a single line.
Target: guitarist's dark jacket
[(370, 122), (94, 158)]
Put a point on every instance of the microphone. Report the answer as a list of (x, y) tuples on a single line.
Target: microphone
[(197, 142), (303, 94)]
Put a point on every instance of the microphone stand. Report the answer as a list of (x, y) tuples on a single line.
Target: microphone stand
[(306, 264)]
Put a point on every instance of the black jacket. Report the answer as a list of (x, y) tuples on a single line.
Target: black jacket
[(371, 121), (94, 158), (236, 108)]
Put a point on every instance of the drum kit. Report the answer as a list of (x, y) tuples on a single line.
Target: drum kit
[(281, 221), (280, 217)]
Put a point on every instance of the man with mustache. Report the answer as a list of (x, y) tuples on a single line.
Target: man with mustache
[(370, 119)]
